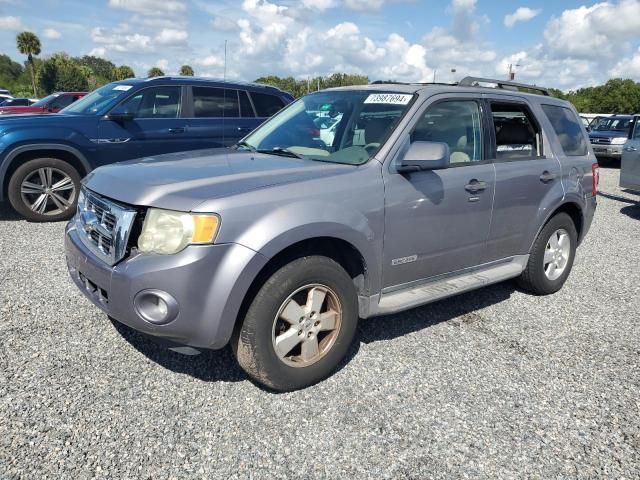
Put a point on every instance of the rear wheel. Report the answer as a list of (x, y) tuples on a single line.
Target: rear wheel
[(551, 257), (45, 190), (299, 325)]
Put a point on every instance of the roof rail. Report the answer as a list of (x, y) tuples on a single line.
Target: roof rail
[(503, 84)]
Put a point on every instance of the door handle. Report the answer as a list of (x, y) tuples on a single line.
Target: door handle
[(475, 186), (244, 129), (547, 177), (176, 130)]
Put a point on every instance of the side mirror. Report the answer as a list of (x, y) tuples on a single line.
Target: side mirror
[(120, 117), (425, 156)]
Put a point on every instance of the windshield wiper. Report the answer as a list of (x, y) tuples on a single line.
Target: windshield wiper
[(283, 152), (245, 145)]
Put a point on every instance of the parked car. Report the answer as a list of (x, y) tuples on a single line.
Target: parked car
[(44, 156), (51, 104), (609, 134), (630, 163), (280, 244), (17, 102)]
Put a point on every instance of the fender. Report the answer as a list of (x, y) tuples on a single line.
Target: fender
[(573, 200), (16, 151), (274, 230)]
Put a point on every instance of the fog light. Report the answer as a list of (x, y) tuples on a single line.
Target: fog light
[(156, 306)]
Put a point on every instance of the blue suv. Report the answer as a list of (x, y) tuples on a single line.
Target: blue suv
[(43, 157)]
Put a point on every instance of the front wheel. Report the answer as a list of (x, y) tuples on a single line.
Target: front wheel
[(45, 190), (299, 325), (551, 257)]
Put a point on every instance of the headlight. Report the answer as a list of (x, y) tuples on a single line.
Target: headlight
[(618, 141), (167, 232)]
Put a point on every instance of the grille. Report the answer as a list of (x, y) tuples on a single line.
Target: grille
[(601, 141), (104, 226)]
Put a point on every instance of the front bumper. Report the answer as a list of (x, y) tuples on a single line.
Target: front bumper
[(208, 283), (608, 151)]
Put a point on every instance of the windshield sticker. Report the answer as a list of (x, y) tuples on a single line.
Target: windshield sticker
[(123, 88), (389, 98)]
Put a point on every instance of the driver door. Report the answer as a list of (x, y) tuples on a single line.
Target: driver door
[(438, 221), (157, 126)]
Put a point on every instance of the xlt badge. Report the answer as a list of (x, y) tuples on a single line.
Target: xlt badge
[(401, 261)]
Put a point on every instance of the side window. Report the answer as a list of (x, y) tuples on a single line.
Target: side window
[(215, 102), (517, 134), (155, 102), (567, 128), (61, 101), (246, 110), (457, 123), (266, 105), (636, 128)]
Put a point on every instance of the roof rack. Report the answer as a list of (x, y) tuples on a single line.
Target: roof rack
[(503, 84)]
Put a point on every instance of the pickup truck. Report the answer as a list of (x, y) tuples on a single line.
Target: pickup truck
[(281, 243)]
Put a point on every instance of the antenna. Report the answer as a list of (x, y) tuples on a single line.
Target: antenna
[(224, 75)]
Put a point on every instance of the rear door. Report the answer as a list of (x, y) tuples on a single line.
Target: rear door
[(218, 117), (527, 175), (157, 126), (630, 165)]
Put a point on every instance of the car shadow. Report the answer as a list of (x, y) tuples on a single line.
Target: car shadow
[(221, 365), (617, 198), (8, 214), (632, 211)]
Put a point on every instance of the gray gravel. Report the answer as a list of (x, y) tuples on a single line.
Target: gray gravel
[(492, 384)]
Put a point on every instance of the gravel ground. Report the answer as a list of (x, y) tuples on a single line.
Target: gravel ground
[(492, 384)]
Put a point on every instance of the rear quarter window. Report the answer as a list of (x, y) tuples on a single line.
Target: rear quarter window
[(266, 104), (568, 129)]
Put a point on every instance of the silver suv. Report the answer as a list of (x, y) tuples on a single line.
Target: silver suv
[(281, 243)]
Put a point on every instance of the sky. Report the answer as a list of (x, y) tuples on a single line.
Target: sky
[(565, 44)]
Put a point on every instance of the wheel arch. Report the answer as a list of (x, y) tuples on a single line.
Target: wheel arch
[(24, 153), (575, 211), (341, 251)]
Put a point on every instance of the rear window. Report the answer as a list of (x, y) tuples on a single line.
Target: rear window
[(266, 105), (568, 130)]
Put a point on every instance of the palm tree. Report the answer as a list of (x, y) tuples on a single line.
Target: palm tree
[(29, 44), (155, 72), (122, 72), (186, 70)]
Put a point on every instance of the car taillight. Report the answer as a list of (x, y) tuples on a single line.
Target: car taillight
[(595, 170)]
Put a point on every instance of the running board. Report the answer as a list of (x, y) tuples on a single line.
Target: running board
[(416, 296)]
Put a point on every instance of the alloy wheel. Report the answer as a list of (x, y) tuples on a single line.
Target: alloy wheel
[(307, 325), (48, 191), (556, 254)]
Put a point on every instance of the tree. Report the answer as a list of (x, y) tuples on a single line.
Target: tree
[(29, 44), (155, 72), (301, 87), (100, 67), (122, 72), (61, 73), (186, 71)]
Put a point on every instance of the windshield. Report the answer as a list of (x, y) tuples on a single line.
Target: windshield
[(611, 124), (97, 100), (333, 126), (45, 101)]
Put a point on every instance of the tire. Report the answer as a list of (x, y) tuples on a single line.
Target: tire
[(274, 364), (549, 268), (45, 190)]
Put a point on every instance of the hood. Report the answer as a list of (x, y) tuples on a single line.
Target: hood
[(607, 134), (182, 181), (19, 120)]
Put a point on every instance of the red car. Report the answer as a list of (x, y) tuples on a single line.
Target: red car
[(53, 103)]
